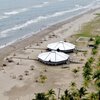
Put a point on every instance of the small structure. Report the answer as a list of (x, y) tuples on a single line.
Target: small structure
[(53, 58), (91, 44), (61, 46)]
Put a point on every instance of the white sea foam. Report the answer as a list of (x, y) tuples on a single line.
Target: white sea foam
[(41, 5), (3, 35), (25, 9), (40, 18), (2, 46), (6, 44), (3, 17), (16, 11), (61, 0)]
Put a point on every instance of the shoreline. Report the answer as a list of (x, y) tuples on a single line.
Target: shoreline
[(34, 38), (12, 88)]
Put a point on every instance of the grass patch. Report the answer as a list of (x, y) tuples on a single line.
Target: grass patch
[(89, 28), (98, 14)]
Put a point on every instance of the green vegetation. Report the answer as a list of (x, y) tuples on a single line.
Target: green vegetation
[(97, 41), (75, 94), (87, 72), (43, 78), (86, 30), (94, 51), (96, 77), (91, 70), (50, 95), (98, 14)]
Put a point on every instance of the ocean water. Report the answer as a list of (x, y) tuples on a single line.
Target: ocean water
[(22, 18)]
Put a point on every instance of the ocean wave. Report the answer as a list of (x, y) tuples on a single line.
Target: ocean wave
[(3, 35), (3, 17), (41, 5), (61, 0), (16, 27), (25, 9), (41, 18), (16, 11), (7, 44)]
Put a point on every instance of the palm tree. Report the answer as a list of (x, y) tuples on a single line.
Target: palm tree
[(51, 94), (87, 72), (91, 60), (98, 95), (96, 77), (93, 96), (82, 91), (40, 96), (62, 97), (67, 96), (85, 83)]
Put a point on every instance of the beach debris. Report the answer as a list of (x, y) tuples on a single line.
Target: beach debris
[(20, 77), (75, 71), (17, 63), (50, 36), (65, 67), (32, 67), (41, 51), (76, 61), (45, 70), (26, 72), (44, 39), (7, 58), (28, 57), (53, 34), (10, 60), (41, 41), (36, 81), (4, 65), (24, 48), (37, 44), (66, 40), (14, 54)]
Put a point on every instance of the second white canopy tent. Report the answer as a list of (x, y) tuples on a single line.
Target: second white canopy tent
[(61, 46)]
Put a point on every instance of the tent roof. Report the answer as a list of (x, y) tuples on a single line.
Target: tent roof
[(61, 45), (53, 56)]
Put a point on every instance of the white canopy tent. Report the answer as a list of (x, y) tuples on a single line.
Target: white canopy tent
[(53, 58), (61, 46)]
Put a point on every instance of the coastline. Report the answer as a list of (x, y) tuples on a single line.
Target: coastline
[(22, 43), (12, 88)]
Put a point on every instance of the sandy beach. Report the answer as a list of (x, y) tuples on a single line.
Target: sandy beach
[(24, 54)]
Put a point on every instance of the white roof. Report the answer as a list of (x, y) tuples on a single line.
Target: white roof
[(53, 56), (61, 46)]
